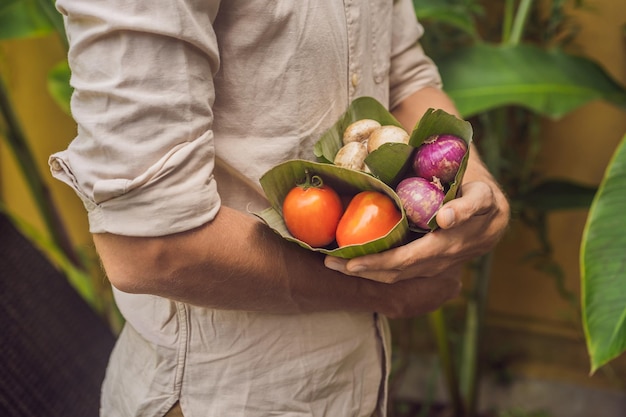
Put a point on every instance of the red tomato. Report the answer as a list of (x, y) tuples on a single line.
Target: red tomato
[(311, 212), (369, 216)]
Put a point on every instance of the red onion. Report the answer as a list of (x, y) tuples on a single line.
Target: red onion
[(420, 199), (439, 156)]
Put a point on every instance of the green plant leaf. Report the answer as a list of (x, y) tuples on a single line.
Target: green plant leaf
[(603, 266), (557, 194), (22, 19), (59, 85), (279, 180), (551, 83)]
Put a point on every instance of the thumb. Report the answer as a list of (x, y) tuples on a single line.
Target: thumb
[(476, 199)]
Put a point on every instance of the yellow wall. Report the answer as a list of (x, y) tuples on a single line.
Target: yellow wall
[(25, 64)]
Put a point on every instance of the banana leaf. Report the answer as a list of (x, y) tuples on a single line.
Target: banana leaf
[(552, 83), (603, 266), (279, 180), (23, 19)]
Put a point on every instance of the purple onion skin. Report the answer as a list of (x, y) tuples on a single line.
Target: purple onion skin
[(420, 198), (439, 156)]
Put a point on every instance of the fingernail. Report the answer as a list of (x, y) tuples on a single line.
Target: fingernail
[(448, 216), (333, 264), (357, 268)]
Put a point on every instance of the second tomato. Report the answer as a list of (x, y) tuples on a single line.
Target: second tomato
[(369, 216)]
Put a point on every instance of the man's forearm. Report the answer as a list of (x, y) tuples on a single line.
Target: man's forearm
[(234, 262), (411, 109)]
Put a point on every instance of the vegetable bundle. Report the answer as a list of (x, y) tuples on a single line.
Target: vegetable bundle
[(418, 172)]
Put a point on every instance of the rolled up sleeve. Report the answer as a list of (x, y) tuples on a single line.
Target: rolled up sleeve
[(411, 69), (143, 158)]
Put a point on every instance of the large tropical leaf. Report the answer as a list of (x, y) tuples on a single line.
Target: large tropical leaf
[(603, 266), (551, 83), (23, 19)]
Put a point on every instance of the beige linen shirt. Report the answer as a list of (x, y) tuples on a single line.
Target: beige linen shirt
[(181, 106)]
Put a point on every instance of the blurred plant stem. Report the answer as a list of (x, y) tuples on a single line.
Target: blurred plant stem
[(519, 23)]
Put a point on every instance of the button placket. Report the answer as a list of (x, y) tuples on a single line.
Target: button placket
[(381, 41), (352, 11)]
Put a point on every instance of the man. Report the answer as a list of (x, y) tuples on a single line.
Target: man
[(181, 107)]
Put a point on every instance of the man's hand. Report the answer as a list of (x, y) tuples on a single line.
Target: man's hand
[(470, 226)]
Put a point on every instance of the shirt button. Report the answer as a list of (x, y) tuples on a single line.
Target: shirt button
[(379, 79), (56, 165), (355, 80)]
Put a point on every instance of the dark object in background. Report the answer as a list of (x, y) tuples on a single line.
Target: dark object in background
[(53, 347)]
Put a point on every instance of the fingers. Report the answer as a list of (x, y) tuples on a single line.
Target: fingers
[(379, 274), (393, 265), (336, 264), (457, 241)]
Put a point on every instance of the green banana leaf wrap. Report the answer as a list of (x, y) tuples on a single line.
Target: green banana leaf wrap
[(388, 165)]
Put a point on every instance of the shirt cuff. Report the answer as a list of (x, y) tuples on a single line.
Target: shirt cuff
[(175, 194)]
